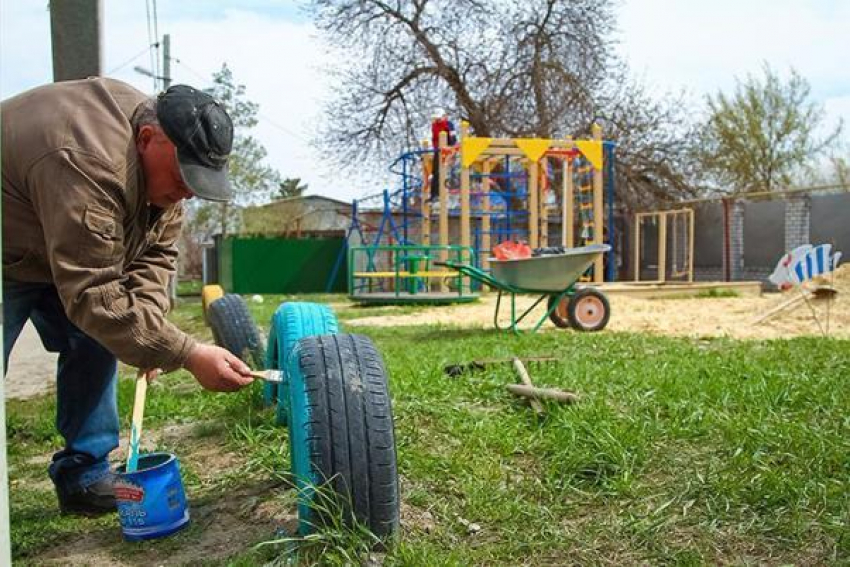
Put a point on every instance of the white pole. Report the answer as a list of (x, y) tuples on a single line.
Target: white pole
[(5, 542)]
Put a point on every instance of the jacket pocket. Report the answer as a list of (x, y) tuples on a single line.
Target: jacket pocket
[(31, 267), (103, 238), (19, 262)]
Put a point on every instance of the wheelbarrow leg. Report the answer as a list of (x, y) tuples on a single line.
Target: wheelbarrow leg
[(530, 309), (496, 314), (513, 326)]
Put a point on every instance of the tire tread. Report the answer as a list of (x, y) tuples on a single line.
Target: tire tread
[(349, 441)]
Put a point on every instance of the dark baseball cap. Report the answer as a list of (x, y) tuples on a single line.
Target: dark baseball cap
[(202, 131)]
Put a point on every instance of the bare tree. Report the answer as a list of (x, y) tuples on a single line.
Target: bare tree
[(507, 68), (541, 68), (655, 158)]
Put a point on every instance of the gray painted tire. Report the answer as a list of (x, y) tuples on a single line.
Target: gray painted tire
[(234, 328)]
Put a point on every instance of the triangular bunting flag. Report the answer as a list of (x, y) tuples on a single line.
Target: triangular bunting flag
[(534, 148), (592, 150), (471, 148)]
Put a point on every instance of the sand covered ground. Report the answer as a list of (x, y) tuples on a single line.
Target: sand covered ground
[(695, 317)]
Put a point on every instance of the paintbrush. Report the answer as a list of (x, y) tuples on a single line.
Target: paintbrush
[(142, 380), (273, 376)]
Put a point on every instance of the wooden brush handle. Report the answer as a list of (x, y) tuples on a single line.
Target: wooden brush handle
[(136, 424)]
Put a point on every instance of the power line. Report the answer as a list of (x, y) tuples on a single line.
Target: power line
[(151, 41), (265, 118), (282, 128), (206, 80), (130, 60)]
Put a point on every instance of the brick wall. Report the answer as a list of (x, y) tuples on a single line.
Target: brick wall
[(797, 221), (736, 241)]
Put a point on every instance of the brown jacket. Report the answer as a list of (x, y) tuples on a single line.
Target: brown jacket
[(75, 214)]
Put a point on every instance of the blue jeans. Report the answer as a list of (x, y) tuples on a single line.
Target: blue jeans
[(87, 375)]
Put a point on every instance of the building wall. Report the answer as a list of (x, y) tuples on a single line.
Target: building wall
[(291, 216), (764, 225), (761, 231), (830, 221), (797, 222)]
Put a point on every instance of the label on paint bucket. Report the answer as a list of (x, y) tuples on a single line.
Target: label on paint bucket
[(128, 491), (151, 502)]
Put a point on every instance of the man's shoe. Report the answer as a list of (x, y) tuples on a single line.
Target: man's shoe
[(94, 500)]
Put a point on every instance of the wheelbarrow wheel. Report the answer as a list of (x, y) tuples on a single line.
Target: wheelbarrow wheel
[(558, 315), (341, 435), (588, 310), (233, 328), (291, 322)]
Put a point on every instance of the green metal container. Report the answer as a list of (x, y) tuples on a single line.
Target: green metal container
[(547, 273)]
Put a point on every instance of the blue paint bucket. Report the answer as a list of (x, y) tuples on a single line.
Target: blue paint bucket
[(151, 501)]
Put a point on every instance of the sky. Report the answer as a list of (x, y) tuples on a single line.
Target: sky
[(674, 46)]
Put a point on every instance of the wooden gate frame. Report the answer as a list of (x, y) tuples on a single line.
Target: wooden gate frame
[(662, 242)]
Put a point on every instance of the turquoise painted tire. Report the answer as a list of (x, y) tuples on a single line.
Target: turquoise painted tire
[(270, 388), (341, 434), (291, 322)]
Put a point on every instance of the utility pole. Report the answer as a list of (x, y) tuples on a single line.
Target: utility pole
[(166, 62), (166, 66), (75, 30), (166, 82)]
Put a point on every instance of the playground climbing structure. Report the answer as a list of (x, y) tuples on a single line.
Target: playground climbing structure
[(490, 190)]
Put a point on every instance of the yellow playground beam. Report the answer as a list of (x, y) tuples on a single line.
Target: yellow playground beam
[(480, 151)]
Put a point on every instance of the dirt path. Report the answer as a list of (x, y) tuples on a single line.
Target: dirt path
[(32, 370), (224, 520)]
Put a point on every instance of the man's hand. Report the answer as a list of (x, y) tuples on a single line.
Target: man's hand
[(150, 375), (217, 369)]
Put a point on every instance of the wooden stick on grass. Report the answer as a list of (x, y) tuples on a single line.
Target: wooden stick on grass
[(534, 393), (525, 379)]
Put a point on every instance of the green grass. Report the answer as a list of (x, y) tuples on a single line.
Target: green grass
[(718, 292), (189, 288), (712, 293), (681, 451)]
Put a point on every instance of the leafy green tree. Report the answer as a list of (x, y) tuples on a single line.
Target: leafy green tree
[(290, 187), (252, 180), (758, 138), (841, 171)]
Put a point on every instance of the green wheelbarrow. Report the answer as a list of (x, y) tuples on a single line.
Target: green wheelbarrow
[(551, 277)]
